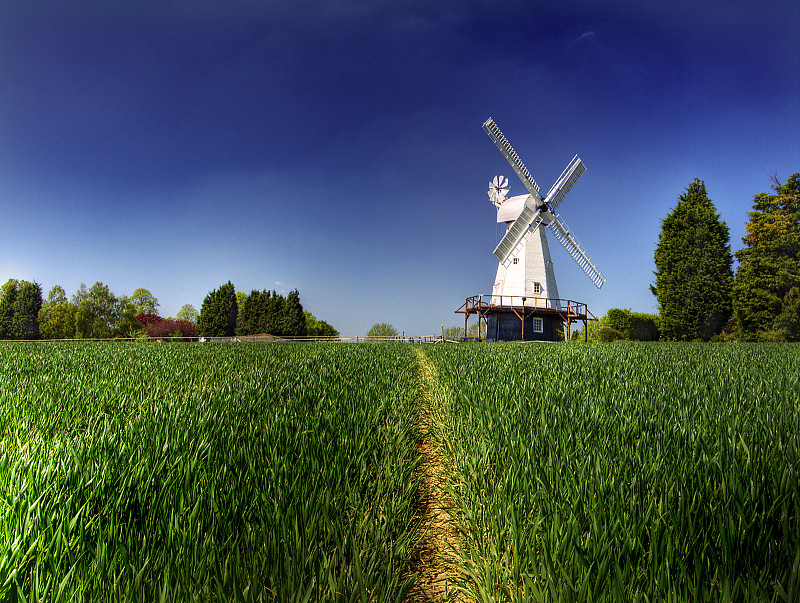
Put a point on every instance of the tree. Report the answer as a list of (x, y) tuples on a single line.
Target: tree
[(454, 333), (218, 312), (172, 329), (144, 302), (294, 321), (251, 309), (477, 330), (25, 324), (271, 318), (8, 295), (126, 323), (265, 312), (593, 328), (96, 313), (187, 313), (145, 320), (20, 302), (241, 298), (766, 296), (381, 330), (318, 328), (57, 316), (694, 274)]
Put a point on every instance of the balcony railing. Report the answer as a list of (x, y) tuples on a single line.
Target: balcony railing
[(486, 303)]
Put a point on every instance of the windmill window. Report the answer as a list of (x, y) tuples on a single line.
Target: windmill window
[(538, 325), (537, 288), (515, 261)]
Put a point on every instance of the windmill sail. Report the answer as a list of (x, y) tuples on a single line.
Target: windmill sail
[(511, 155), (537, 210), (565, 182), (561, 232), (529, 219)]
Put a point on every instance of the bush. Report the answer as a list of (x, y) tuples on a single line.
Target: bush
[(607, 334), (634, 325), (770, 336), (644, 327), (619, 320)]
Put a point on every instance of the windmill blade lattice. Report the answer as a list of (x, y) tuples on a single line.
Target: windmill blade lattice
[(511, 156), (565, 182), (561, 232)]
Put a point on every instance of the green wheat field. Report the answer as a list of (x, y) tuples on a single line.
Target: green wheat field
[(291, 472)]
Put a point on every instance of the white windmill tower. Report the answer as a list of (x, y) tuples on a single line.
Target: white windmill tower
[(525, 295)]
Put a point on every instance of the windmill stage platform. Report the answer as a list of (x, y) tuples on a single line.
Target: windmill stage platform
[(515, 318)]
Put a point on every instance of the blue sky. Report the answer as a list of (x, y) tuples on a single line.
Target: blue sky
[(337, 148)]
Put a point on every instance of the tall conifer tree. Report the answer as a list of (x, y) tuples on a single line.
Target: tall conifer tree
[(218, 313), (294, 321), (767, 287), (694, 274), (273, 314)]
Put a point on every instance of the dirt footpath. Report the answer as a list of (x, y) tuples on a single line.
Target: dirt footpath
[(439, 537)]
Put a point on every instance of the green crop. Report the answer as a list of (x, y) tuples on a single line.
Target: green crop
[(625, 471), (291, 472), (147, 472)]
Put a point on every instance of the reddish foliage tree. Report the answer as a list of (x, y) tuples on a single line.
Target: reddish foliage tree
[(147, 319), (169, 329)]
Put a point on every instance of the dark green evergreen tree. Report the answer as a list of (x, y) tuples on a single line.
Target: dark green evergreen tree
[(245, 323), (767, 288), (218, 313), (259, 311), (252, 314), (294, 321), (272, 318), (694, 274)]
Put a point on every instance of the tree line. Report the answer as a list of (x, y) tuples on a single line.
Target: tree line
[(226, 312), (97, 313), (700, 296)]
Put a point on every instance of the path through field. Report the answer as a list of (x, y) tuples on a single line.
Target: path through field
[(436, 549)]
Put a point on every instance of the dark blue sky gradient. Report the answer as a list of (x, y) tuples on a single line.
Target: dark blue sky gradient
[(337, 147)]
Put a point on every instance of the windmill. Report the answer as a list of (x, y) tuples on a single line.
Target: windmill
[(525, 295)]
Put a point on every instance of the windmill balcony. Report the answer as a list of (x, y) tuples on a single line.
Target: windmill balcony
[(480, 304), (513, 318)]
